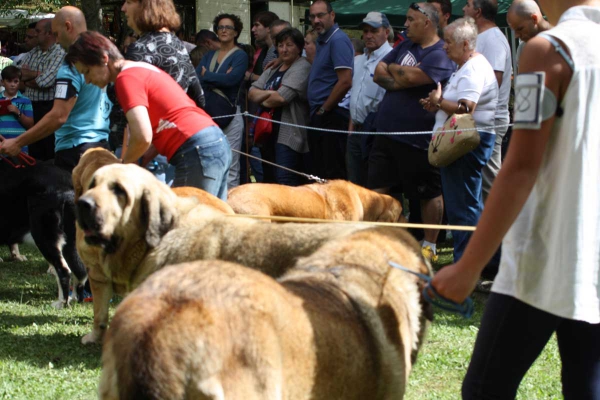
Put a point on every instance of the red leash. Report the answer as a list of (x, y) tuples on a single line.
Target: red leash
[(25, 160)]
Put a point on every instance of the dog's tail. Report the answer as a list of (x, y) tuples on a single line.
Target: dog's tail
[(155, 350)]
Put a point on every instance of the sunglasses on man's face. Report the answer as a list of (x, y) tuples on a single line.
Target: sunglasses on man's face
[(416, 7)]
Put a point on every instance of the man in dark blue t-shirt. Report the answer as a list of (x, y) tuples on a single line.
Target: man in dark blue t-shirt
[(409, 73)]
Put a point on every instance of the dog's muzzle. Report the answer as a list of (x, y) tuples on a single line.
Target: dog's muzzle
[(90, 222)]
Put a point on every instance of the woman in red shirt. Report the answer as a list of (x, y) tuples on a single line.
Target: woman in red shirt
[(159, 112)]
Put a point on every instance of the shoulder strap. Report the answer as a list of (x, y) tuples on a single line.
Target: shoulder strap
[(213, 62), (559, 49)]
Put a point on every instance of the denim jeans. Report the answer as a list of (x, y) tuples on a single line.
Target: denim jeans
[(513, 334), (461, 187), (203, 161), (234, 133), (289, 158)]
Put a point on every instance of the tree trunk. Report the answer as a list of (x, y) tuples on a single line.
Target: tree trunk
[(93, 14)]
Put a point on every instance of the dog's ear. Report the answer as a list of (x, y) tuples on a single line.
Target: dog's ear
[(156, 216), (77, 185)]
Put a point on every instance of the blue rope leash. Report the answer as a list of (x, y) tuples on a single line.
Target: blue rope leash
[(465, 309)]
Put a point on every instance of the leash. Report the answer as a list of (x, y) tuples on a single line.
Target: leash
[(465, 308), (370, 223), (26, 159), (307, 176)]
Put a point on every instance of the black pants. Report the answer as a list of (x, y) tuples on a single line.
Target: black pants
[(328, 149), (42, 149), (69, 158), (513, 334)]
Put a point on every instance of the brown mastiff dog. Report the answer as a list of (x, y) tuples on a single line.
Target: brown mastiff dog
[(342, 324), (90, 162), (334, 200), (138, 225)]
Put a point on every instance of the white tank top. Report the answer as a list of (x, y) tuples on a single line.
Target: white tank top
[(551, 254)]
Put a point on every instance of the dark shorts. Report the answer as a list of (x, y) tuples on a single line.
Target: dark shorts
[(393, 163), (69, 158)]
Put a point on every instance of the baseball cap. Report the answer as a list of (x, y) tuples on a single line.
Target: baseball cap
[(376, 20)]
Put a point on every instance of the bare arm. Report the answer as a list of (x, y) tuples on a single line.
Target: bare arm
[(52, 121), (256, 95), (383, 78), (513, 184), (340, 89), (408, 77), (140, 134), (499, 75), (25, 121), (274, 100)]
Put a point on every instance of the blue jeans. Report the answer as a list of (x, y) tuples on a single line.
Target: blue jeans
[(461, 187), (513, 334), (203, 161), (289, 158)]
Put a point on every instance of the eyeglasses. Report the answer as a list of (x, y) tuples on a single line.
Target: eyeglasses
[(225, 28), (312, 17), (417, 7)]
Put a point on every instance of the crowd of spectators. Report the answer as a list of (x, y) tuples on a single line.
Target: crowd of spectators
[(384, 82)]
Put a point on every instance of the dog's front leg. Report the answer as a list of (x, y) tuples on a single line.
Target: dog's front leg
[(15, 254), (102, 292)]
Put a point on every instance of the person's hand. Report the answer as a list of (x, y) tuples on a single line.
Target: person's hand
[(272, 64), (455, 282), (427, 105), (203, 71), (247, 76), (229, 70), (436, 94), (10, 147), (13, 109)]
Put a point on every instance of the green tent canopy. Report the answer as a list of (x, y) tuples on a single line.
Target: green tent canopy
[(350, 13)]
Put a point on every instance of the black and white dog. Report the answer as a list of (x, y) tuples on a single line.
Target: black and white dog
[(40, 199)]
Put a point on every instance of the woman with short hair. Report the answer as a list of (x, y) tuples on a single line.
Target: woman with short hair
[(282, 90), (159, 113), (472, 89)]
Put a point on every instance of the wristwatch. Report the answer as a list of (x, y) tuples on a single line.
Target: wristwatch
[(321, 111)]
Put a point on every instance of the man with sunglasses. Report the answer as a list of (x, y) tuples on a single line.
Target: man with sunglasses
[(329, 80), (412, 70)]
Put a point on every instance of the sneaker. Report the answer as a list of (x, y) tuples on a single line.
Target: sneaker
[(429, 254), (484, 286)]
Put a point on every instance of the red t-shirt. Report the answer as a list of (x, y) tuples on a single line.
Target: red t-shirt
[(173, 115)]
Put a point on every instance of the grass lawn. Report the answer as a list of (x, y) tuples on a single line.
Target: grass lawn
[(41, 356)]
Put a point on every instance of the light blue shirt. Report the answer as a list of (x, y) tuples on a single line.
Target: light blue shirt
[(88, 121), (366, 94)]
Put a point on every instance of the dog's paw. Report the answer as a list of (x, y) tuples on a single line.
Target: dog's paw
[(19, 257), (90, 338), (59, 304)]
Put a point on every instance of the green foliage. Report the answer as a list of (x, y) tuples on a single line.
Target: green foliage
[(41, 356)]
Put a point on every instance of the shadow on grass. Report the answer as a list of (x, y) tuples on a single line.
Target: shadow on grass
[(60, 349)]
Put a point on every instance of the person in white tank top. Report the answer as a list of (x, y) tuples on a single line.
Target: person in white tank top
[(545, 203)]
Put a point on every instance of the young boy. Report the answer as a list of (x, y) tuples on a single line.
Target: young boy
[(17, 116)]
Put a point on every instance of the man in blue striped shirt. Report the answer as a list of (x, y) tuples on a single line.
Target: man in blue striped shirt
[(16, 117)]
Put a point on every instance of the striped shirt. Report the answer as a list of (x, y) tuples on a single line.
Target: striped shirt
[(48, 63), (10, 127)]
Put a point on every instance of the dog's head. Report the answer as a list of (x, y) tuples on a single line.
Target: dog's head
[(123, 204), (90, 162)]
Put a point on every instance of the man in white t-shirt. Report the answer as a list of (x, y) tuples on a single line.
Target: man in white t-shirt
[(492, 43)]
